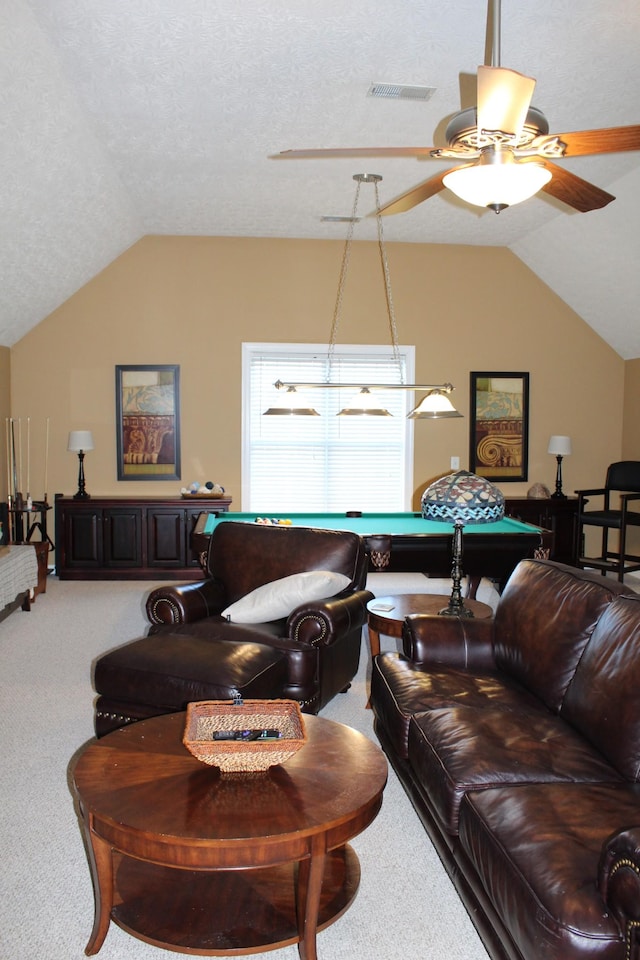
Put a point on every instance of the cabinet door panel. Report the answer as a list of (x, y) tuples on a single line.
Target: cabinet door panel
[(166, 538), (82, 532), (123, 538)]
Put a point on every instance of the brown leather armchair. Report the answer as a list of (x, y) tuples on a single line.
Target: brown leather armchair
[(193, 652)]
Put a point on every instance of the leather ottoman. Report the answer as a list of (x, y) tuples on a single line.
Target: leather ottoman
[(163, 672)]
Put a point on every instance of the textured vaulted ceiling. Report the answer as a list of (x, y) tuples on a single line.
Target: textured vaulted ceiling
[(128, 117)]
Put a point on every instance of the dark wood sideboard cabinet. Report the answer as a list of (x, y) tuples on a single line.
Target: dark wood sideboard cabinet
[(129, 538), (559, 515)]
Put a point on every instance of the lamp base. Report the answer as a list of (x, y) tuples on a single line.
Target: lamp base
[(558, 494), (456, 607), (455, 610), (82, 493)]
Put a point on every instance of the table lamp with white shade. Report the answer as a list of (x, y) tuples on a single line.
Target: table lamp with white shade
[(560, 447), (80, 441)]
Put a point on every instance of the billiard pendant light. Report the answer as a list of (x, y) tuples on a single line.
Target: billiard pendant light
[(288, 408), (362, 406), (434, 406)]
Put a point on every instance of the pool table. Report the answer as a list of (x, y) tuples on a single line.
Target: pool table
[(407, 542)]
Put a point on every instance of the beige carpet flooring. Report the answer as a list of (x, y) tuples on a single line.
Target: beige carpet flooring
[(405, 908)]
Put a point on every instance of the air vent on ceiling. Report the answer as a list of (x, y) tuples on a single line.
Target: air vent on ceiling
[(400, 91), (330, 219)]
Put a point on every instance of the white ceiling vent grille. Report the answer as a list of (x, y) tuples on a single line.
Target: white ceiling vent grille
[(400, 91)]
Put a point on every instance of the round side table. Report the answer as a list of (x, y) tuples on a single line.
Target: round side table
[(387, 614)]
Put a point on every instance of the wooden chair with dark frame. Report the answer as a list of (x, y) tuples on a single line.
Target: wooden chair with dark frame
[(623, 480)]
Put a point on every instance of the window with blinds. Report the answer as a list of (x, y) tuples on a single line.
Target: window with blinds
[(325, 463)]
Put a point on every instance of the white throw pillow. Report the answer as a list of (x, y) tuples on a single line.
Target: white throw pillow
[(277, 599)]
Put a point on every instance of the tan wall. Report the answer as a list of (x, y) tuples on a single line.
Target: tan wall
[(631, 430), (193, 301), (5, 411), (631, 422)]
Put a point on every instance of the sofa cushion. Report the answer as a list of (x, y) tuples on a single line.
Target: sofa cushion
[(400, 688), (602, 699), (462, 748), (544, 620), (535, 850), (277, 599)]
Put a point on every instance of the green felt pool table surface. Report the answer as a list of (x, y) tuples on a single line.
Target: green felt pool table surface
[(375, 524), (406, 542)]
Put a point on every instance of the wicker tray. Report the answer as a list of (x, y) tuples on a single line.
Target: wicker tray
[(207, 495), (233, 756)]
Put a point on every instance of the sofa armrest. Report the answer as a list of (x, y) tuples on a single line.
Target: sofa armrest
[(462, 642), (185, 602), (619, 876), (319, 623)]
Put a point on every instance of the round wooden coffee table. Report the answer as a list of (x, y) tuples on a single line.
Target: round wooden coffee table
[(386, 614), (187, 859)]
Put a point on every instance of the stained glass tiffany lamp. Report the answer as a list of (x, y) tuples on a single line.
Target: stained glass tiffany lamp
[(461, 498)]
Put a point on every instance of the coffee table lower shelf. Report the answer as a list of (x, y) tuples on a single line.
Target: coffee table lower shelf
[(222, 913)]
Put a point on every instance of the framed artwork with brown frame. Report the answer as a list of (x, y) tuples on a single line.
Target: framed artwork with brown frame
[(499, 433), (148, 421)]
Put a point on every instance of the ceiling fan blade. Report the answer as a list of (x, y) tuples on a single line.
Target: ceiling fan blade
[(423, 191), (574, 191), (353, 152), (504, 97), (608, 140)]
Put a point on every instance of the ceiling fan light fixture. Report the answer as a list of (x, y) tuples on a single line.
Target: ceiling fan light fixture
[(498, 180), (435, 406)]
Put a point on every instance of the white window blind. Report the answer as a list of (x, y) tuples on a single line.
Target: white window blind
[(325, 463)]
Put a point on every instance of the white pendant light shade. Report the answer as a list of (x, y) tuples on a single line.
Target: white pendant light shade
[(435, 406), (362, 405), (288, 407)]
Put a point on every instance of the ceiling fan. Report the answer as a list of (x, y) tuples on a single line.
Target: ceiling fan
[(506, 150)]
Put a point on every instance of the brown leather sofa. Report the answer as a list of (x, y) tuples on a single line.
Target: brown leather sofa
[(518, 742), (192, 652)]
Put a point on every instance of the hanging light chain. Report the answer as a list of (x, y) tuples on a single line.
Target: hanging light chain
[(346, 254), (361, 178), (393, 331)]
